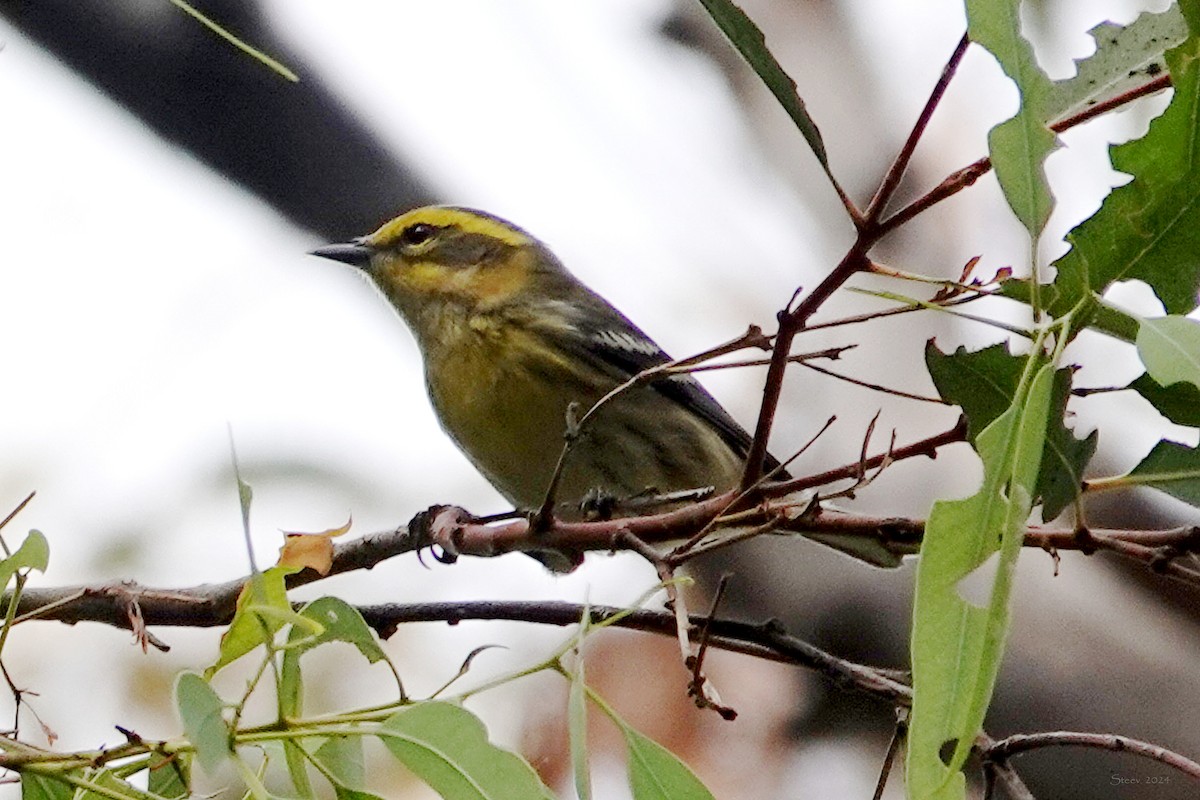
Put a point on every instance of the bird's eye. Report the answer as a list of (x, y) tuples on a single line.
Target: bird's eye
[(416, 234)]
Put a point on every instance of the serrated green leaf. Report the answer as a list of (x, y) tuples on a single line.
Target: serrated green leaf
[(956, 646), (984, 384), (981, 382), (1148, 229), (201, 711), (170, 776), (1170, 349), (1172, 468), (1126, 57), (262, 611), (1019, 146), (750, 42), (655, 773), (447, 747), (1179, 403), (1064, 457)]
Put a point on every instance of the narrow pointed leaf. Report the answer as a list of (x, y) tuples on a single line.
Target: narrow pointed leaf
[(655, 773), (577, 728), (957, 646), (748, 40), (447, 747)]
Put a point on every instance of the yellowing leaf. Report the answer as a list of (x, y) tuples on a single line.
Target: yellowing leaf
[(310, 550)]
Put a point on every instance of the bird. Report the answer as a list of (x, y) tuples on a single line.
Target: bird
[(513, 343)]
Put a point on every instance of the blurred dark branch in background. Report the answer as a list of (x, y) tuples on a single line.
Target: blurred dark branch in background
[(292, 144)]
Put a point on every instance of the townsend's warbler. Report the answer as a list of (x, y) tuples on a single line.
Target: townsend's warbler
[(510, 338)]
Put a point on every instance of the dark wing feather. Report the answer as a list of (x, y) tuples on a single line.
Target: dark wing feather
[(607, 336)]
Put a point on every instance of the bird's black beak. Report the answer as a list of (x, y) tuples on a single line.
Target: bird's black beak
[(356, 254)]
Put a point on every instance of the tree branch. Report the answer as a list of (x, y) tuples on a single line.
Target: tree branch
[(1002, 750)]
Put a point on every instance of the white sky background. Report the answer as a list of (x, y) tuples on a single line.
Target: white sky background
[(146, 304)]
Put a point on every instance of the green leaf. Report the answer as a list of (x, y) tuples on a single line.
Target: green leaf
[(957, 646), (333, 620), (1179, 403), (655, 773), (1172, 468), (342, 758), (203, 721), (1148, 229), (984, 384), (577, 728), (1020, 145), (34, 553), (1125, 58), (748, 40), (296, 760), (262, 610), (35, 786), (338, 621), (447, 747), (1064, 457), (104, 785), (171, 776), (343, 793), (1170, 349)]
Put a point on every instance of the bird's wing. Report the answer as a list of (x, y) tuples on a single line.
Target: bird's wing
[(610, 342)]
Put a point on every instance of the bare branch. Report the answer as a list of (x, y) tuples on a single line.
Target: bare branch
[(1004, 749)]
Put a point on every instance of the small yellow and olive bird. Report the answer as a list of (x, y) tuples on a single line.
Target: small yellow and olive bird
[(510, 339)]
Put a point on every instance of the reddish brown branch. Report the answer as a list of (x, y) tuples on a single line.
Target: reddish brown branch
[(895, 173), (794, 320), (213, 605), (966, 176), (925, 447)]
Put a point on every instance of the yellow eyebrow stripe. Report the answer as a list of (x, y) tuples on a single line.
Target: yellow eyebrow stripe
[(450, 216)]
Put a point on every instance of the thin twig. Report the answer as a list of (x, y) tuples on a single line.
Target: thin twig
[(966, 176), (898, 735), (1025, 742), (924, 447), (877, 387), (686, 550), (753, 337), (894, 174), (701, 689)]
